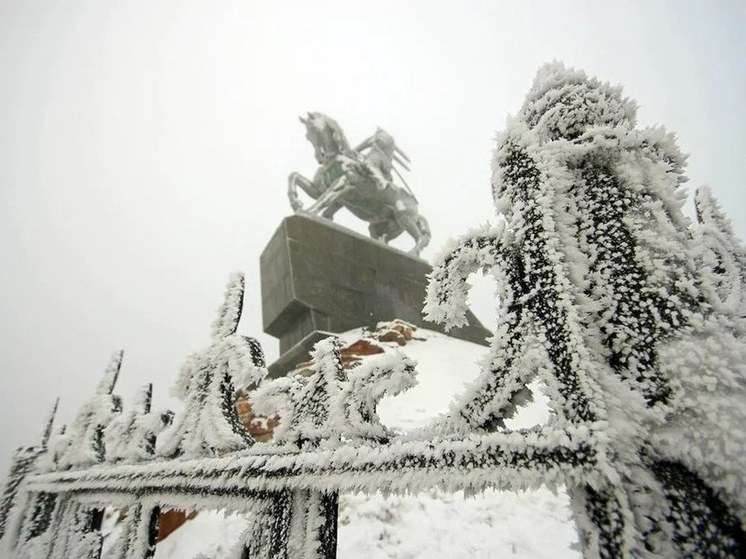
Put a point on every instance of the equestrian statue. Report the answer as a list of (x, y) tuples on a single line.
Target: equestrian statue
[(361, 180)]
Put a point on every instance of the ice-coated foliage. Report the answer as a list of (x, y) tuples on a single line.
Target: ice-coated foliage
[(208, 424), (607, 292)]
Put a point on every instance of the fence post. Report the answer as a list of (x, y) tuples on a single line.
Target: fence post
[(298, 524), (298, 516), (59, 527), (73, 531), (321, 527), (271, 527), (139, 533), (601, 519)]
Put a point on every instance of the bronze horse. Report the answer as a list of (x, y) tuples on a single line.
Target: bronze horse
[(360, 180)]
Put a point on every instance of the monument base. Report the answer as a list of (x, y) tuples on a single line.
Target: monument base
[(297, 354), (318, 278)]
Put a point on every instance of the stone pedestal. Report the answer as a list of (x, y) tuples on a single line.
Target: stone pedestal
[(319, 278)]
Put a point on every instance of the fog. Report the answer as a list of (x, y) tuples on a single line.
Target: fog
[(145, 147)]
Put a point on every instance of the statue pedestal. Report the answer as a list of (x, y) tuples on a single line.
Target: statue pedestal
[(319, 278)]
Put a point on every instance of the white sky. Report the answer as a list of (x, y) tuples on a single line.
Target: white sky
[(145, 145)]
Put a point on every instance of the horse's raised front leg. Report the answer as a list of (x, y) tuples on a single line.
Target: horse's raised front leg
[(294, 181), (333, 193)]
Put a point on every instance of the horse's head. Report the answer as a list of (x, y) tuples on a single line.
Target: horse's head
[(326, 136)]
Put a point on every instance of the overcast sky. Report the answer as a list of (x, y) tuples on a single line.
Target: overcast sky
[(145, 146)]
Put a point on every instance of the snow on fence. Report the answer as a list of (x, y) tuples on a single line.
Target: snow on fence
[(330, 441), (631, 316)]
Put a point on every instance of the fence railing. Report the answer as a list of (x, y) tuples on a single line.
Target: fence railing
[(632, 317), (330, 441)]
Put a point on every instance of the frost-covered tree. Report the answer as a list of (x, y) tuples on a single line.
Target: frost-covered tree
[(209, 424), (602, 294)]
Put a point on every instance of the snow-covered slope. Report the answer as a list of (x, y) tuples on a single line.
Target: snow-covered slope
[(211, 533), (533, 524), (444, 366)]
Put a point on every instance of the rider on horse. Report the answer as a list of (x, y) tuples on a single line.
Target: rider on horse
[(360, 180)]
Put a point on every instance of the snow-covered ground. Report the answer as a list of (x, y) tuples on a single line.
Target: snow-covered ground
[(534, 524), (212, 534)]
